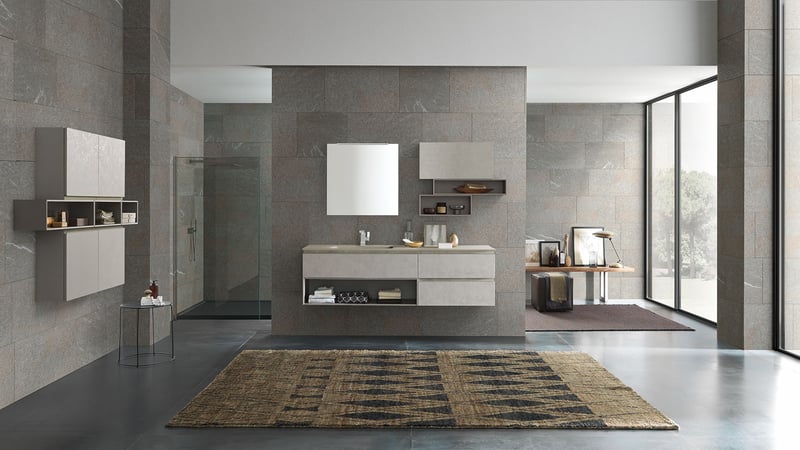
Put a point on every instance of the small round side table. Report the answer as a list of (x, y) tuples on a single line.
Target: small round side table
[(145, 358)]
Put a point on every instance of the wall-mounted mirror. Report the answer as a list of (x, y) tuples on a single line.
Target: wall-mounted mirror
[(363, 179)]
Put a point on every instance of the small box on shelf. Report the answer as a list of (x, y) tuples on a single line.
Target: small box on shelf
[(130, 212), (454, 205)]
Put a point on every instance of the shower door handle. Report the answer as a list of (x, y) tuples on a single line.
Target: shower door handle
[(193, 239)]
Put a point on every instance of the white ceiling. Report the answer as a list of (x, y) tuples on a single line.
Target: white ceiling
[(225, 84), (574, 50)]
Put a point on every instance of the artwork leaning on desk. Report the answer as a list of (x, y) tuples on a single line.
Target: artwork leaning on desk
[(588, 250)]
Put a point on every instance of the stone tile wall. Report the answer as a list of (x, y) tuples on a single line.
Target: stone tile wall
[(94, 66), (232, 131), (161, 122), (314, 106), (585, 166), (60, 66), (744, 148)]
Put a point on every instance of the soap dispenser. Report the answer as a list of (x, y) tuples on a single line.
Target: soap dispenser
[(154, 289)]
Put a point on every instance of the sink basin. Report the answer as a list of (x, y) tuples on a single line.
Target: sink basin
[(365, 247)]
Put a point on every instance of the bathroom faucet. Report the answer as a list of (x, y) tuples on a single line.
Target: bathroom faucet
[(364, 237)]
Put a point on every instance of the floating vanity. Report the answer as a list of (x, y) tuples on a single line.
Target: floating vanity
[(461, 276)]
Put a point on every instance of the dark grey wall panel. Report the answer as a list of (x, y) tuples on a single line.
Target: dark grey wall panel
[(233, 130), (315, 106), (61, 68)]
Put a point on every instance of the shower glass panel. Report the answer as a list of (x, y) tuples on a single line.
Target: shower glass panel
[(217, 213)]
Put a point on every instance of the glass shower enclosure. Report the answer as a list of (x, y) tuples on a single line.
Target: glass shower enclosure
[(217, 238)]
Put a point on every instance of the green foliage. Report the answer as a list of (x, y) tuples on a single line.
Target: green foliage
[(698, 202)]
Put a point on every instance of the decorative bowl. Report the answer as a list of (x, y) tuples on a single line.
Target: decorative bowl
[(473, 189), (415, 244)]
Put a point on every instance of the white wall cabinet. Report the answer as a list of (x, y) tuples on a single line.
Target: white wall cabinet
[(77, 173), (76, 263), (456, 160), (75, 163)]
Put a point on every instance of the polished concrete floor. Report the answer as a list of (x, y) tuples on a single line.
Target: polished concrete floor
[(721, 398)]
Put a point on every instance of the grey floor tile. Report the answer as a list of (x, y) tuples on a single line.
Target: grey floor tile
[(720, 397)]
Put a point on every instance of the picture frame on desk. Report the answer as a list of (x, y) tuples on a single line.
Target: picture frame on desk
[(532, 251), (587, 250), (546, 251)]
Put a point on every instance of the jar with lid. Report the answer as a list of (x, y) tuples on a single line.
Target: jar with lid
[(441, 208)]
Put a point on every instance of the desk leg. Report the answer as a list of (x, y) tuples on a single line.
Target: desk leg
[(172, 332), (137, 336), (603, 286), (119, 348)]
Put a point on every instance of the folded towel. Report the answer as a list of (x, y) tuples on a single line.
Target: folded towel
[(323, 290), (558, 286), (389, 294)]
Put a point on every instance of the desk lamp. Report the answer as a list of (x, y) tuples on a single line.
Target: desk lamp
[(609, 235)]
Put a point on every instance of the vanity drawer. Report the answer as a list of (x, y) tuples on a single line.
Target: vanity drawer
[(456, 266), (455, 293), (333, 265)]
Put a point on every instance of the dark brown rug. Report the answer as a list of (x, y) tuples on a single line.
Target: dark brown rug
[(600, 318), (418, 389)]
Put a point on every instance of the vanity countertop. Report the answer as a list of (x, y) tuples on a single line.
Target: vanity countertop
[(393, 248)]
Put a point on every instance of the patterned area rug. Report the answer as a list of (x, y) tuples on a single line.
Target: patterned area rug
[(424, 389)]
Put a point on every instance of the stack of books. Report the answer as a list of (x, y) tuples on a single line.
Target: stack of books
[(322, 294), (389, 295)]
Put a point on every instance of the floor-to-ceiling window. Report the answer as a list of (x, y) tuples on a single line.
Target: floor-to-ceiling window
[(788, 162), (661, 199), (682, 134)]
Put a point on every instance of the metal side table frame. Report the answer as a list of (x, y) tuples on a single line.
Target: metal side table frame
[(152, 355), (602, 270)]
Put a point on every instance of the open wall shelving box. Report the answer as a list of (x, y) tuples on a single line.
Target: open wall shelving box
[(77, 174), (452, 165)]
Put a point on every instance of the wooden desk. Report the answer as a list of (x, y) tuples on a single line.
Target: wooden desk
[(603, 271)]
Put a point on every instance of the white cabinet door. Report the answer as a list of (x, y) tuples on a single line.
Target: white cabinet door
[(455, 293), (111, 167), (456, 266), (81, 163), (456, 160), (111, 255), (364, 266), (81, 263)]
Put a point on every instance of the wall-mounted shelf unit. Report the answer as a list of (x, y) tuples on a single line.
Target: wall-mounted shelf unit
[(77, 174), (31, 215), (450, 165), (445, 191)]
